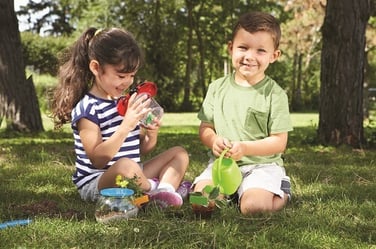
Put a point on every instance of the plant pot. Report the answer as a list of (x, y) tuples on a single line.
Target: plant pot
[(201, 205), (204, 211)]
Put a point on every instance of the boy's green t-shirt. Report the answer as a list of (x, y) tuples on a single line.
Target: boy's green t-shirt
[(247, 113)]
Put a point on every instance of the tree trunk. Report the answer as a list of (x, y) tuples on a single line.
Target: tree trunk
[(186, 104), (296, 102), (342, 65), (201, 49), (18, 100)]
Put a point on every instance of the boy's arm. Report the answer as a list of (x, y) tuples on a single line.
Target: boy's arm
[(274, 144), (211, 140)]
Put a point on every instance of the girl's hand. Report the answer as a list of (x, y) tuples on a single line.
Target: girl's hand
[(137, 108), (154, 126)]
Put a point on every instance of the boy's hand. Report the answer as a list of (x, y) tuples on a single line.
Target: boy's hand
[(236, 151), (220, 144)]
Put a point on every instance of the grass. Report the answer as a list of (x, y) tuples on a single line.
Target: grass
[(333, 203)]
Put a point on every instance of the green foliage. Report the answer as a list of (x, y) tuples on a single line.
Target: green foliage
[(183, 67), (171, 37), (43, 86), (41, 53), (53, 17)]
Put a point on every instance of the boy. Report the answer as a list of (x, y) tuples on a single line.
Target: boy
[(247, 112)]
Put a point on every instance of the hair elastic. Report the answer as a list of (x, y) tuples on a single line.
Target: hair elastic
[(98, 31)]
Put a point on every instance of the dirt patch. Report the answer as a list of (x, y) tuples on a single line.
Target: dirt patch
[(47, 208)]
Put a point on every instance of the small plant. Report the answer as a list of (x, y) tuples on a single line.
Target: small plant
[(139, 197), (208, 194), (131, 183), (203, 203)]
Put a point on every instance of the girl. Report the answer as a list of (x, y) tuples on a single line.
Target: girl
[(100, 66)]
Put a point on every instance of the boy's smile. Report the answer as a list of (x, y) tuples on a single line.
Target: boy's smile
[(251, 55)]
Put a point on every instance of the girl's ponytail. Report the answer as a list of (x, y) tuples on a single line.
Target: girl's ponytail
[(75, 78)]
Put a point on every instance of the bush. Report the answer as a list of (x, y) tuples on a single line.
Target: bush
[(42, 53), (43, 86)]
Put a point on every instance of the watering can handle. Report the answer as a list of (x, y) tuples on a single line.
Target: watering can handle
[(220, 162), (222, 155)]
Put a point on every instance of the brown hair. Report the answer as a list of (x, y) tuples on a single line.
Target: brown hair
[(259, 21), (109, 46)]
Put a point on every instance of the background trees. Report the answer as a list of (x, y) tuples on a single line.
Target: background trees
[(185, 44)]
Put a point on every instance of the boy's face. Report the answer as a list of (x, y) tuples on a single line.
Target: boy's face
[(251, 55)]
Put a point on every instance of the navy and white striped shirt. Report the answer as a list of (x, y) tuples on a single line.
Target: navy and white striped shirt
[(103, 113)]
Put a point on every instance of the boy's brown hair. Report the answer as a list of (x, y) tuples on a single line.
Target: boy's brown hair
[(259, 21)]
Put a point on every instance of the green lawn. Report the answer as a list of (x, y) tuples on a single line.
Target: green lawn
[(333, 203)]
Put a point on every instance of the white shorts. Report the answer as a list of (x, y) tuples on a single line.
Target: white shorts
[(264, 176), (90, 191)]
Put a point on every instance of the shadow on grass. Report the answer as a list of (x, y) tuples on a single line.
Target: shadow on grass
[(333, 193), (36, 170), (42, 190)]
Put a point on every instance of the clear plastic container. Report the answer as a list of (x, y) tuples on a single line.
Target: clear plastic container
[(155, 113), (115, 204)]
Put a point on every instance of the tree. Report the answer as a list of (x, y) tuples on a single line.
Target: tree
[(342, 57), (52, 16), (186, 105), (301, 43), (18, 100), (181, 67)]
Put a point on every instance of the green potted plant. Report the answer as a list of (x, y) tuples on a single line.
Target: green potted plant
[(204, 202)]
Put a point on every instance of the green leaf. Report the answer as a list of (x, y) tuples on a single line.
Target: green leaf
[(208, 189), (214, 193)]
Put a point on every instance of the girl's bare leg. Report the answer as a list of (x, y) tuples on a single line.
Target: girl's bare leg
[(169, 166), (126, 168)]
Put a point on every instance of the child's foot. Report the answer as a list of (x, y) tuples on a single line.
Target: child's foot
[(165, 199), (286, 186), (184, 189)]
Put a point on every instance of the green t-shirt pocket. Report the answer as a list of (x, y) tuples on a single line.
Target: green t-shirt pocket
[(256, 123)]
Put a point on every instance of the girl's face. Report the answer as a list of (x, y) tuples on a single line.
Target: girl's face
[(251, 55), (110, 82)]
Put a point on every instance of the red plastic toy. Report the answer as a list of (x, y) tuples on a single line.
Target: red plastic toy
[(147, 87)]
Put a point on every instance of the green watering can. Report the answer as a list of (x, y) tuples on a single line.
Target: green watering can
[(226, 174)]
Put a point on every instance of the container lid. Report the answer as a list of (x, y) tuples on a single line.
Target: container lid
[(117, 192), (148, 87)]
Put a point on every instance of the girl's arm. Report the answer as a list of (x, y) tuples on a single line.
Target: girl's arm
[(149, 137), (101, 152)]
